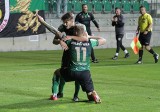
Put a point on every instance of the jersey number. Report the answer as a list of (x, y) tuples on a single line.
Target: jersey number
[(78, 49)]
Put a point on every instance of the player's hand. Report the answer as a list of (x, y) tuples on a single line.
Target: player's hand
[(145, 33), (98, 29), (115, 19), (67, 38), (137, 32), (112, 19), (39, 17), (63, 45), (60, 35)]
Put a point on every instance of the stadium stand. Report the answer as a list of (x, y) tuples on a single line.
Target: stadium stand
[(130, 9), (126, 6), (69, 6), (107, 6), (98, 6)]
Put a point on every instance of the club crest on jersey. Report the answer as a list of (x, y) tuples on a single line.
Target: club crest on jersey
[(4, 14)]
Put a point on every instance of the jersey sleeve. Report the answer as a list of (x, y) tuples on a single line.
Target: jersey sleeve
[(93, 20), (94, 42), (68, 42), (150, 19), (77, 18), (61, 28), (139, 21)]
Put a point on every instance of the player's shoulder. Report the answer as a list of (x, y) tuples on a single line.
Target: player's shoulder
[(61, 28), (148, 15), (89, 13), (121, 15), (79, 14)]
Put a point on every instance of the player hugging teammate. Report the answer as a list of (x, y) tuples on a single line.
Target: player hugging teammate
[(79, 67)]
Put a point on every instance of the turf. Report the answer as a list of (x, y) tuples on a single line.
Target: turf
[(25, 83)]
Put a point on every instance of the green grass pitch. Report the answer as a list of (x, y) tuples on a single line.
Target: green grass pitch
[(25, 83)]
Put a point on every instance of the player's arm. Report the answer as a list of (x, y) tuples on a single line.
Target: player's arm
[(149, 27), (113, 21), (82, 39), (56, 39), (138, 27), (137, 31), (77, 18), (120, 23), (150, 23), (94, 21), (100, 40)]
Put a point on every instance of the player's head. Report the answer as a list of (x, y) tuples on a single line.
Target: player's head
[(68, 19), (79, 29), (142, 10), (84, 8), (117, 11)]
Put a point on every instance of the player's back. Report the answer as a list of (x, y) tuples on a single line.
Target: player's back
[(80, 53)]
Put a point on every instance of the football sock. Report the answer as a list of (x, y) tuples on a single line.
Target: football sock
[(140, 55), (61, 85), (116, 54), (151, 51), (55, 84), (77, 88), (54, 95), (125, 51)]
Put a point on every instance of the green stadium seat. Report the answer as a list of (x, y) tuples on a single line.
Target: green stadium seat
[(124, 1), (77, 6), (136, 6), (126, 7), (146, 4), (97, 5), (117, 4), (141, 2), (107, 6), (70, 6), (54, 5), (46, 5)]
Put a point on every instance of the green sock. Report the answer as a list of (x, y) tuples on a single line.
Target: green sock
[(55, 84), (61, 85)]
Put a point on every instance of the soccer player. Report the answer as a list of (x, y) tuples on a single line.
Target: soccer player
[(68, 28), (85, 18), (145, 29), (118, 22), (80, 63)]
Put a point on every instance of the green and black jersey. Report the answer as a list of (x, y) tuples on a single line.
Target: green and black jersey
[(80, 53)]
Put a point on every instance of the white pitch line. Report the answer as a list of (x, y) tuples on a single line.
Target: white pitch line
[(26, 70)]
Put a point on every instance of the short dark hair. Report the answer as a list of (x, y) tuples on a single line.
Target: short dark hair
[(141, 7), (117, 8), (67, 16), (83, 5)]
